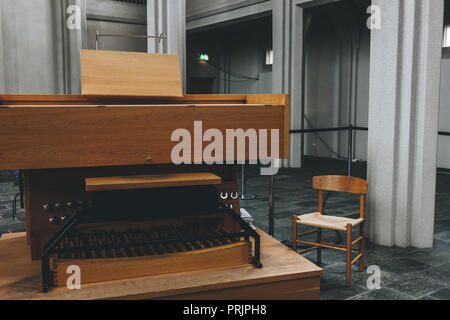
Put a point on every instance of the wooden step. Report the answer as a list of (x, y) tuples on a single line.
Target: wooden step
[(152, 181), (100, 270)]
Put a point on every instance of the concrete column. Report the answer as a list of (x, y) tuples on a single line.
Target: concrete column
[(27, 42), (68, 17), (288, 21), (168, 17), (403, 122)]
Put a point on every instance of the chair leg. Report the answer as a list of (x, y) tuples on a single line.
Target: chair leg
[(349, 255), (294, 233), (319, 250), (361, 250)]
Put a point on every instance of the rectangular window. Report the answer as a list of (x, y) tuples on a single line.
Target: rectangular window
[(269, 57), (447, 37)]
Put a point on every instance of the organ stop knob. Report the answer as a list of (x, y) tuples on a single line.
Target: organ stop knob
[(54, 221)]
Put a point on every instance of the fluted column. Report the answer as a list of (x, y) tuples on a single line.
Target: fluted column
[(168, 17), (403, 122), (288, 34)]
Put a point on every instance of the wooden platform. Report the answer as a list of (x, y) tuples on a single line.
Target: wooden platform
[(285, 276)]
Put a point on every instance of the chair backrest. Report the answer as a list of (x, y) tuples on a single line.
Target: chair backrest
[(341, 184)]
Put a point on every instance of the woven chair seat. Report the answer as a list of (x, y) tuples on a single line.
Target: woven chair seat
[(317, 220)]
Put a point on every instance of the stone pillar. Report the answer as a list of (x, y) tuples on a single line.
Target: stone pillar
[(168, 17), (403, 122), (31, 35), (288, 20), (68, 17)]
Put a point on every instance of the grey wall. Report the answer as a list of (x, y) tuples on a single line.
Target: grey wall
[(322, 95), (241, 48), (209, 43), (444, 112), (114, 17), (38, 54), (201, 14), (444, 115), (29, 53), (196, 9), (322, 87), (337, 56), (116, 44), (362, 102)]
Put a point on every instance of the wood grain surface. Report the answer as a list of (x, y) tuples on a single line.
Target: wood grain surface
[(115, 73), (63, 99), (42, 137), (286, 275), (152, 181), (101, 270)]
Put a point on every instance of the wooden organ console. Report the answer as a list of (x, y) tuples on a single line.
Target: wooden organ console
[(101, 189)]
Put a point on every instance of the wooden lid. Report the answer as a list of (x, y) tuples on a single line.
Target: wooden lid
[(134, 74)]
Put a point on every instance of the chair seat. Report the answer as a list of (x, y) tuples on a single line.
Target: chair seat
[(317, 220)]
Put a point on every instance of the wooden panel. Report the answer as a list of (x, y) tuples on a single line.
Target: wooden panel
[(267, 99), (114, 73), (340, 184), (277, 99), (21, 278), (84, 136), (152, 181), (38, 219), (40, 99), (52, 180), (99, 270), (8, 236), (296, 289)]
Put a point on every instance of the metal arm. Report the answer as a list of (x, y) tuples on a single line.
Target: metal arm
[(250, 232), (51, 245), (161, 37)]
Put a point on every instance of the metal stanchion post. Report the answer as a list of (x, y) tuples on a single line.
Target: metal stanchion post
[(272, 206), (350, 151), (21, 187), (244, 195)]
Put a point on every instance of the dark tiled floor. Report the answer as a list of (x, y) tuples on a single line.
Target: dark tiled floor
[(8, 190), (406, 274)]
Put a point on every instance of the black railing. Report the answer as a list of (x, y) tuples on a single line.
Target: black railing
[(319, 130), (350, 129)]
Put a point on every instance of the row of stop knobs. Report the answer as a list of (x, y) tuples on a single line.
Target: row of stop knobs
[(59, 206)]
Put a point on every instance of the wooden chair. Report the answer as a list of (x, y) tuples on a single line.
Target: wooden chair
[(319, 221)]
